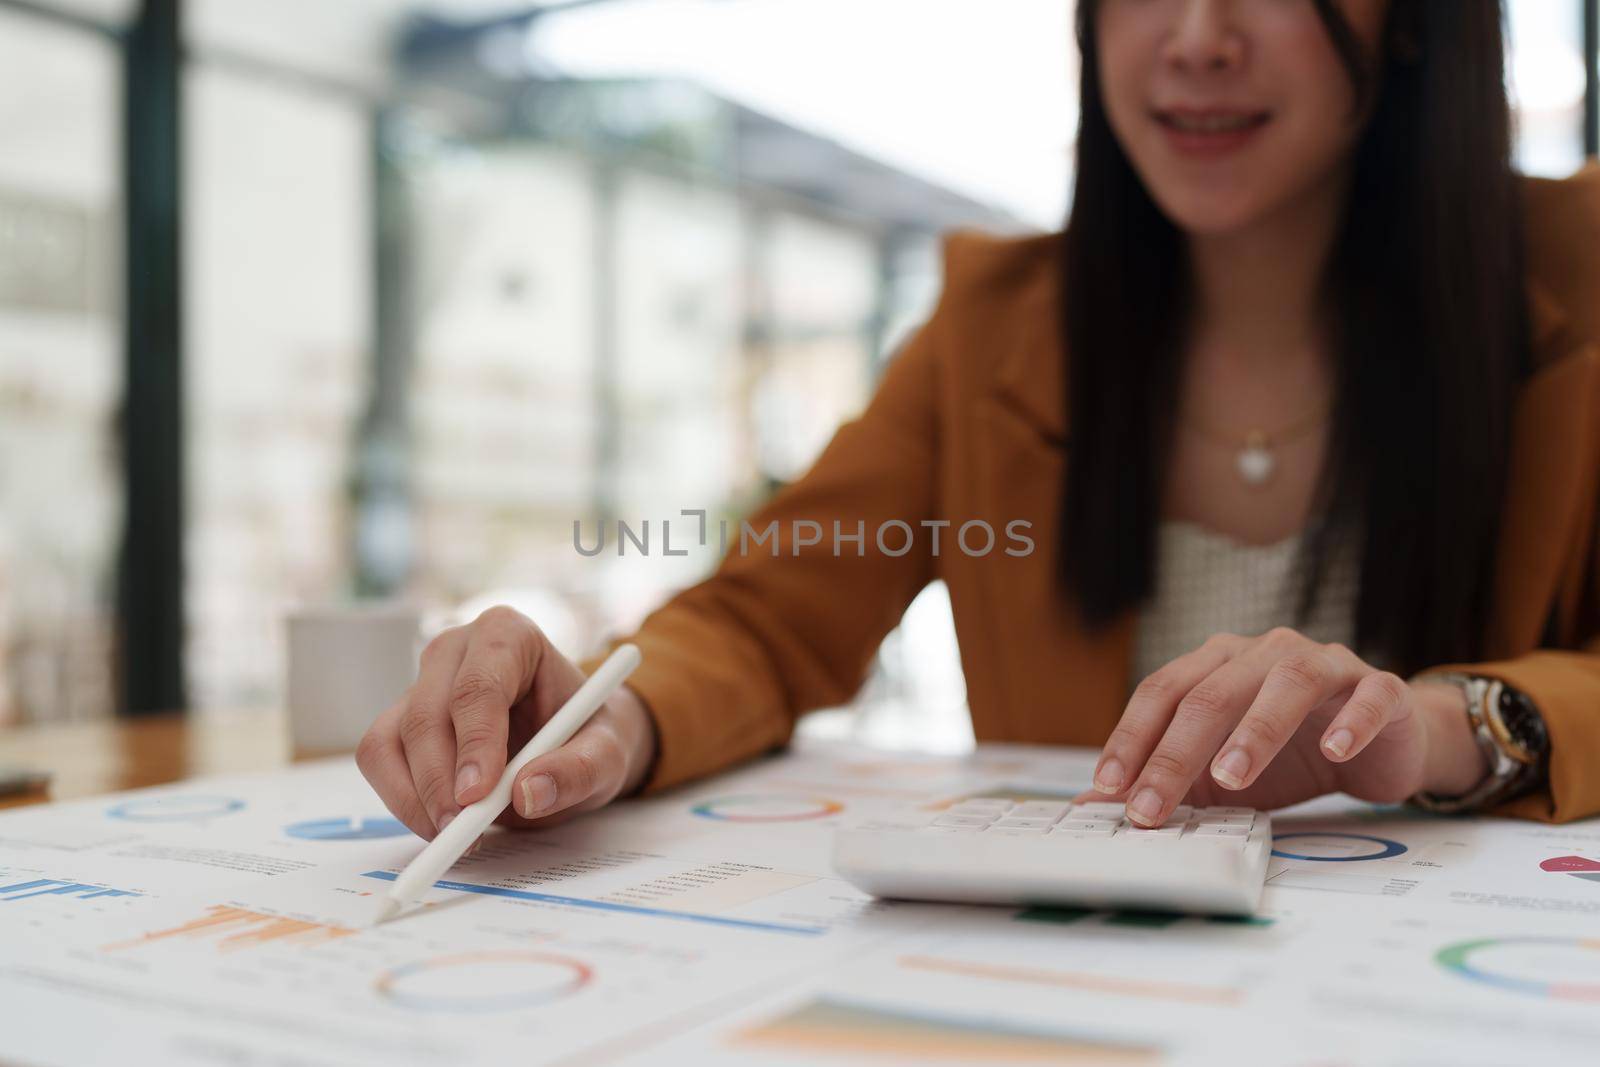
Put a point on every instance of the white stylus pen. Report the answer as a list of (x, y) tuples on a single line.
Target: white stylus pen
[(452, 842)]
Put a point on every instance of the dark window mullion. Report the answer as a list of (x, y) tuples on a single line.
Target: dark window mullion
[(150, 612), (1591, 67)]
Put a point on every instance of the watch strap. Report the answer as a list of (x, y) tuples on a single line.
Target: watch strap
[(1508, 775)]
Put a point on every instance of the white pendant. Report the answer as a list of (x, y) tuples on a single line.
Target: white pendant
[(1255, 461)]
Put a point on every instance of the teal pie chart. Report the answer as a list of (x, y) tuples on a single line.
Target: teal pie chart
[(1554, 968), (346, 828)]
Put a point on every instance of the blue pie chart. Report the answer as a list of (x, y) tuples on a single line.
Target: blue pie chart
[(174, 808), (346, 829), (1335, 847)]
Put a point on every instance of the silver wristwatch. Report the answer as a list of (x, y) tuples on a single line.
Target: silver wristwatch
[(1510, 733)]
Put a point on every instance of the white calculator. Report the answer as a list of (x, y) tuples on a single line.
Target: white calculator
[(1000, 850)]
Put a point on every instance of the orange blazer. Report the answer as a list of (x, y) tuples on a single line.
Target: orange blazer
[(969, 423)]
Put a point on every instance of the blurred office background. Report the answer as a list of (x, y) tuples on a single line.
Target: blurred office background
[(450, 274)]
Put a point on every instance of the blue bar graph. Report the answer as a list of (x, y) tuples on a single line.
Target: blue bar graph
[(41, 887), (606, 905)]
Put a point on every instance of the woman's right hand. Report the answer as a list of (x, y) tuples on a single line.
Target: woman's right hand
[(482, 691)]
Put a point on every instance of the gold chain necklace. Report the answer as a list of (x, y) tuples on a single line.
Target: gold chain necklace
[(1254, 457)]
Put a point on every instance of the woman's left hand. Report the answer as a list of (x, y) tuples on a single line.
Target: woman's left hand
[(1275, 719)]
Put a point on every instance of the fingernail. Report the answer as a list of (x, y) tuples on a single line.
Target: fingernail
[(1145, 808), (1108, 779), (1231, 769), (1339, 742), (466, 778), (538, 794)]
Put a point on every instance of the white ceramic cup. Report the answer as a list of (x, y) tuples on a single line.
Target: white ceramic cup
[(347, 664)]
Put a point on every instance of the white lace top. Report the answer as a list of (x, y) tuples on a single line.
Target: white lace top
[(1207, 582)]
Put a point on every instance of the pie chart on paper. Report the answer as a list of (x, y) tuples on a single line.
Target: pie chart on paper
[(174, 808), (346, 829), (1556, 968), (773, 807), (1577, 866)]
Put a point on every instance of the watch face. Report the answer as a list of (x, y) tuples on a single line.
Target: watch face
[(1523, 723)]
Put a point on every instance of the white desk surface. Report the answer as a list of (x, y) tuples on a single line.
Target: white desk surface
[(220, 920)]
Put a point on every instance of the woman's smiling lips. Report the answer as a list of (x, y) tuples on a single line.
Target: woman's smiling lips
[(1209, 131)]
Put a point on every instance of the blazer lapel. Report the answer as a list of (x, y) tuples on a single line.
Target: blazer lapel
[(1023, 446), (1030, 379)]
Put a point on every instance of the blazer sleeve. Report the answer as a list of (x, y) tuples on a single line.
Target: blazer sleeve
[(730, 663), (1564, 681), (1564, 684)]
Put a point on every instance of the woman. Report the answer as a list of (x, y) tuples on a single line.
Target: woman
[(1303, 304)]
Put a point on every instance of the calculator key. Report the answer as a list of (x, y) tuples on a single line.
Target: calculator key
[(1215, 810), (1040, 809), (981, 807), (1226, 820), (967, 821), (1181, 813), (930, 829), (1168, 830), (1012, 823), (1205, 830), (1099, 807), (1017, 831), (1088, 826)]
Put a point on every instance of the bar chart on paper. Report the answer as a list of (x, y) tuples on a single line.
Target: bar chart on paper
[(230, 929), (827, 1028), (57, 887), (233, 917)]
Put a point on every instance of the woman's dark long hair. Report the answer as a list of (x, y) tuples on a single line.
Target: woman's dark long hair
[(1425, 308)]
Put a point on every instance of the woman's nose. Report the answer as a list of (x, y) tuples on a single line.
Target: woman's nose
[(1204, 36)]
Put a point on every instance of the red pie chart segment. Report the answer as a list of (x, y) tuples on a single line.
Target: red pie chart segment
[(1571, 865)]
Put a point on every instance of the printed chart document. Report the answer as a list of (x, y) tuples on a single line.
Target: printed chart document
[(227, 920)]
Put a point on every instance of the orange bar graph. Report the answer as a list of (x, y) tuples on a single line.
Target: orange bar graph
[(1100, 983), (827, 1029), (238, 928)]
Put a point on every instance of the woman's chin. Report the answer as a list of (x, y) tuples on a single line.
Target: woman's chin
[(1228, 205), (1210, 212)]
